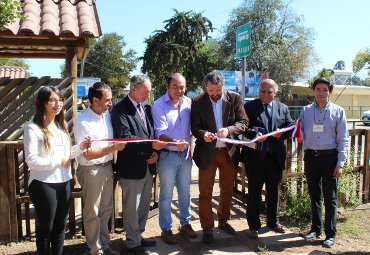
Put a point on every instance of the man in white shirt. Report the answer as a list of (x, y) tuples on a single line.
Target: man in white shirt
[(95, 173)]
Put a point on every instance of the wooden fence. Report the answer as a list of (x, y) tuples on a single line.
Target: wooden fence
[(17, 214), (17, 100), (17, 217), (357, 163)]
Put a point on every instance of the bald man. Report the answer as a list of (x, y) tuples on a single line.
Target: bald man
[(266, 164)]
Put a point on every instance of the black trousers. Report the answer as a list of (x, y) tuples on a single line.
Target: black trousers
[(51, 201), (319, 174), (268, 172)]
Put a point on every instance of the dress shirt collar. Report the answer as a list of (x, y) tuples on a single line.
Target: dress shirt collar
[(93, 114), (213, 102), (326, 106), (168, 99)]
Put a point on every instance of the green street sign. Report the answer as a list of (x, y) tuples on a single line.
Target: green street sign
[(243, 40)]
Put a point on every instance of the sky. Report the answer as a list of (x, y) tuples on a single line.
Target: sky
[(341, 27)]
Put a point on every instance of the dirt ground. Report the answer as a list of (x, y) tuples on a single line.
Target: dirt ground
[(353, 236)]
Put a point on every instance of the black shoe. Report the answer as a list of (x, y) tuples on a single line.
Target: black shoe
[(252, 234), (168, 237), (329, 242), (148, 242), (311, 235), (208, 238), (228, 229), (139, 250), (278, 228)]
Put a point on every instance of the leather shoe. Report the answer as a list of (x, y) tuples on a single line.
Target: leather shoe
[(208, 238), (148, 242), (311, 235), (168, 237), (228, 229), (278, 228), (139, 250), (329, 242), (252, 234), (188, 231)]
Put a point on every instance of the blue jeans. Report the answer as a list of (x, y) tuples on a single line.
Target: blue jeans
[(173, 169)]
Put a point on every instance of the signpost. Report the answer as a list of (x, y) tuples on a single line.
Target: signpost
[(243, 40), (243, 49)]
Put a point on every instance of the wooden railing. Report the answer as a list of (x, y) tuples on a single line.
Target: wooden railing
[(17, 217), (17, 214), (358, 159)]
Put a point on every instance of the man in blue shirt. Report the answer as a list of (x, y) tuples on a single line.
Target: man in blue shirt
[(171, 115), (325, 139)]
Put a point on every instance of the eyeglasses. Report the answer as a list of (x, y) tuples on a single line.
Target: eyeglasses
[(55, 101), (266, 91)]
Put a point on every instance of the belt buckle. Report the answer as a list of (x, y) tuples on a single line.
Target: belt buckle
[(315, 153)]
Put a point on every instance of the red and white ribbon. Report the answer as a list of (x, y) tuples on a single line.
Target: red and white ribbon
[(138, 140), (262, 137)]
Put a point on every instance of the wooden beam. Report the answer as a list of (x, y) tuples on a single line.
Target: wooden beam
[(4, 194), (34, 50), (51, 42), (71, 71), (32, 55)]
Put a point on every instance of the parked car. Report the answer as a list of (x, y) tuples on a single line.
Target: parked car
[(366, 117)]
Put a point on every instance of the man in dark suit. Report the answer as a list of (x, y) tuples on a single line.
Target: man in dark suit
[(216, 113), (137, 165), (267, 164)]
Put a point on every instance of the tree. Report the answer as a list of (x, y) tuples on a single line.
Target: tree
[(362, 59), (280, 44), (178, 48), (108, 60), (9, 11)]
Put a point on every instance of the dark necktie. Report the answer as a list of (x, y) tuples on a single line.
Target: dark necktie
[(142, 114), (268, 115)]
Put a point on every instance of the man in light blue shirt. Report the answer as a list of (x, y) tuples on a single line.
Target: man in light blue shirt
[(171, 115), (325, 139)]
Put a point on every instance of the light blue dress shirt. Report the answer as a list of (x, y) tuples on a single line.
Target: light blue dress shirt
[(335, 132)]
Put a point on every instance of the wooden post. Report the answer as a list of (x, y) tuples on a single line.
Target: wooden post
[(71, 71), (12, 193), (366, 185), (4, 194)]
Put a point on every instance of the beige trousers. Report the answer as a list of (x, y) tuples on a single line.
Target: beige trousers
[(97, 188)]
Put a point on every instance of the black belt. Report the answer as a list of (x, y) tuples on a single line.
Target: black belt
[(321, 152), (221, 148), (104, 164)]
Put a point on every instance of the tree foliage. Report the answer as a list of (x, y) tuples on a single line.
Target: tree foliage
[(362, 59), (280, 44), (109, 60), (180, 48), (9, 11)]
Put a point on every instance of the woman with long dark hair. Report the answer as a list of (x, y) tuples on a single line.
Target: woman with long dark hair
[(48, 152)]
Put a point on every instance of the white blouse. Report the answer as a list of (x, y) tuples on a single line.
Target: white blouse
[(45, 166)]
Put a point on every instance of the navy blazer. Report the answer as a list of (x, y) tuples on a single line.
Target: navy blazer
[(127, 123), (257, 118)]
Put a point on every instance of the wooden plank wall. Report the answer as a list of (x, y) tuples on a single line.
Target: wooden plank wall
[(17, 100)]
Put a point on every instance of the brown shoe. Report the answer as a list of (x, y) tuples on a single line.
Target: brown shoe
[(278, 228), (252, 234), (188, 231), (168, 237)]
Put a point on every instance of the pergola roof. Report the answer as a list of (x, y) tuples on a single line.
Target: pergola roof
[(49, 28)]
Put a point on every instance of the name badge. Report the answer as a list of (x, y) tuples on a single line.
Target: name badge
[(318, 128)]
